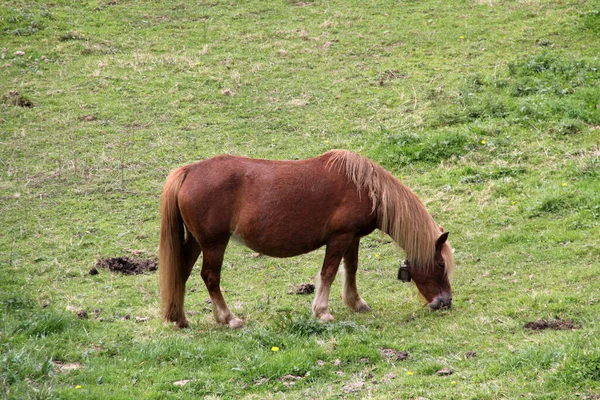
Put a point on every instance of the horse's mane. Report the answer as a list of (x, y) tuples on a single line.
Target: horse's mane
[(400, 213)]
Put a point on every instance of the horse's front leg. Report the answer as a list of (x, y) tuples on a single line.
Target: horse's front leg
[(336, 248), (212, 261), (350, 295)]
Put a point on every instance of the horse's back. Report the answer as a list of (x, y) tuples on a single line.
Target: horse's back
[(278, 208)]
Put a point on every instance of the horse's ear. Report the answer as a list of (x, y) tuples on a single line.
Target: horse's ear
[(441, 240)]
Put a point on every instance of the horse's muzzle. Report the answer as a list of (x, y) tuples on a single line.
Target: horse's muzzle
[(440, 302)]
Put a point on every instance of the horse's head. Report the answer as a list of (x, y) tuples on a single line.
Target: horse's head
[(433, 282)]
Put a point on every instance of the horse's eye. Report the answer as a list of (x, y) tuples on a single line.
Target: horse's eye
[(441, 265)]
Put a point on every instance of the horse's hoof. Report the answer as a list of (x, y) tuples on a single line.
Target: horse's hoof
[(325, 318), (182, 324), (236, 323), (358, 305)]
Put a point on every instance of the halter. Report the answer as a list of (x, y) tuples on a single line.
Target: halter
[(403, 272)]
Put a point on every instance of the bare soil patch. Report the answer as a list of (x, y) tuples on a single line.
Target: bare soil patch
[(125, 265), (304, 288), (554, 324), (393, 354), (60, 366), (14, 98), (444, 372), (470, 354)]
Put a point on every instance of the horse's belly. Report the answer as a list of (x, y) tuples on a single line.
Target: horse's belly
[(280, 243)]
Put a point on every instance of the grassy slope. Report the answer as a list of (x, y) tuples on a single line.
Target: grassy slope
[(489, 110)]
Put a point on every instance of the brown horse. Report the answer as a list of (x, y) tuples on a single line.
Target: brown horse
[(287, 208)]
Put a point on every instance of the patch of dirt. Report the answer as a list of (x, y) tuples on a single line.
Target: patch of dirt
[(354, 387), (393, 354), (305, 288), (470, 354), (298, 102), (126, 265), (261, 381), (290, 380), (82, 314), (137, 125), (15, 99), (59, 366), (387, 378), (555, 324), (444, 372), (391, 74)]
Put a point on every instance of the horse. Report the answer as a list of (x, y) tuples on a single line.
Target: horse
[(287, 208)]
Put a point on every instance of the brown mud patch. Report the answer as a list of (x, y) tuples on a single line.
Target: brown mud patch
[(470, 354), (125, 265), (305, 288), (15, 99), (393, 354), (554, 324)]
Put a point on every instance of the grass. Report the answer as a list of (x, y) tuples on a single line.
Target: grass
[(489, 110)]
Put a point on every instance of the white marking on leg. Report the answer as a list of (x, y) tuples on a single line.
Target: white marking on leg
[(320, 306), (224, 316)]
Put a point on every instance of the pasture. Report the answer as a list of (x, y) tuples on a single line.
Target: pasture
[(489, 110)]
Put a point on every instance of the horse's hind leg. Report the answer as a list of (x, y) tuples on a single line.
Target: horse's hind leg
[(334, 252), (191, 251), (350, 295), (212, 261)]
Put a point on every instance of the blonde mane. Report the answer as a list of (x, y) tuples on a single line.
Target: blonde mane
[(400, 213)]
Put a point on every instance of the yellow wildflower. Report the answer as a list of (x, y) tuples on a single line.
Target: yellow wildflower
[(274, 348)]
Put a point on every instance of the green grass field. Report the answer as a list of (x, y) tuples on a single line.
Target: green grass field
[(488, 109)]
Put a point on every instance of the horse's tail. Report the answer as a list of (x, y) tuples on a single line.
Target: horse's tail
[(172, 256)]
